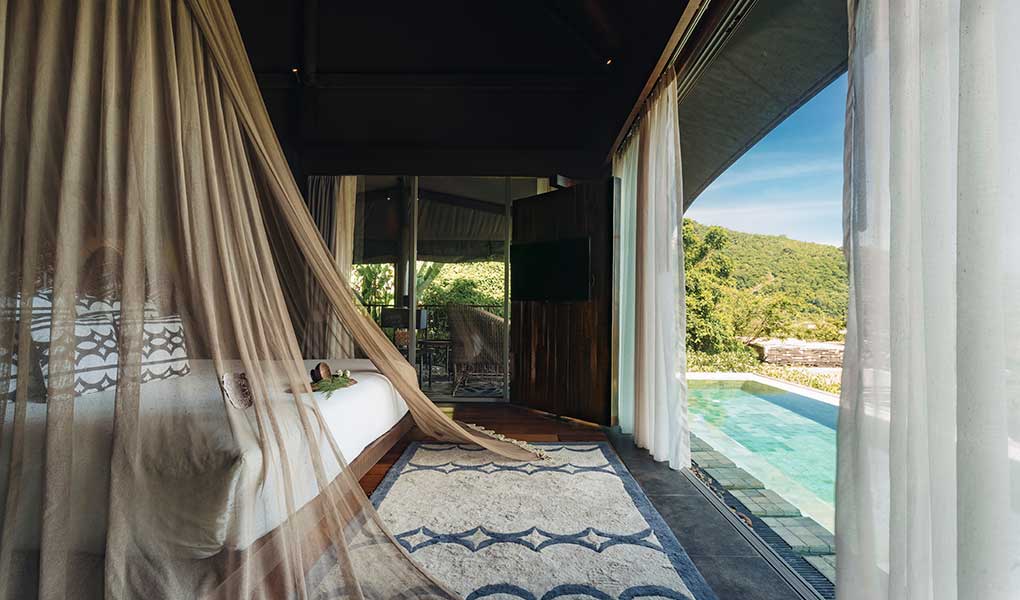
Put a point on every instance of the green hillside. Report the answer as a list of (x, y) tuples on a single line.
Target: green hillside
[(812, 274), (743, 285)]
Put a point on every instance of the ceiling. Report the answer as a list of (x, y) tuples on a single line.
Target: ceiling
[(463, 87), (453, 87)]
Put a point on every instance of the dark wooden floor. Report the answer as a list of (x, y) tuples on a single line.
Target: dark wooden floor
[(512, 421)]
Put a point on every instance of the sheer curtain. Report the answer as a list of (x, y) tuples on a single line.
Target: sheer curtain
[(159, 438), (625, 167), (332, 200), (659, 408), (342, 246), (928, 486)]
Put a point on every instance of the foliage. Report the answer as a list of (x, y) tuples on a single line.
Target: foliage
[(743, 286), (435, 283), (338, 381), (812, 277), (707, 270), (801, 376), (424, 276), (373, 283), (735, 361), (467, 283), (757, 314)]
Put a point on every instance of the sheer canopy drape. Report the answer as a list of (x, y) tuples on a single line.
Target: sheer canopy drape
[(928, 486), (659, 408), (159, 435)]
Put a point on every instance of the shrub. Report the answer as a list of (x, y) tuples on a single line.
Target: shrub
[(734, 361), (799, 376)]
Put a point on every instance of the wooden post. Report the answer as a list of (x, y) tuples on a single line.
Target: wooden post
[(507, 232), (412, 270)]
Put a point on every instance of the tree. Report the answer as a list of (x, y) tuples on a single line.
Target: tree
[(424, 276), (775, 286), (373, 283), (759, 313), (706, 273), (435, 283), (468, 283)]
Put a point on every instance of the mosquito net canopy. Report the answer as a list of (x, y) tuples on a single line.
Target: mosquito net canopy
[(159, 274)]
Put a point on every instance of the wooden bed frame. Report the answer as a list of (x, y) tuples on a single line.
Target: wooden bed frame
[(382, 444), (319, 538)]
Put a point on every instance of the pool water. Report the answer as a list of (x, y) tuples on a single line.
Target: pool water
[(785, 440)]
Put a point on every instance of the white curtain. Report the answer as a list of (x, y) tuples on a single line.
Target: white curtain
[(928, 486), (659, 409), (625, 167), (342, 245), (332, 200)]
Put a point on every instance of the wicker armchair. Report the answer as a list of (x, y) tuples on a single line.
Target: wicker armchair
[(476, 343)]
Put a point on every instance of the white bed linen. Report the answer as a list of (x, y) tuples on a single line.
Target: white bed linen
[(206, 460)]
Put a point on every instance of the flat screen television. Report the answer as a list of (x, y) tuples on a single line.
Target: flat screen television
[(557, 271)]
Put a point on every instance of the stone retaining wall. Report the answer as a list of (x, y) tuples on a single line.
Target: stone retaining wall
[(799, 353)]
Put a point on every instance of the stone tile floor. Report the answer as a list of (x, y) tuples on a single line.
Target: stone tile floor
[(699, 445), (734, 478), (803, 534), (764, 503), (801, 539), (711, 459)]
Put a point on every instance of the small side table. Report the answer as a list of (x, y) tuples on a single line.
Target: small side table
[(428, 349)]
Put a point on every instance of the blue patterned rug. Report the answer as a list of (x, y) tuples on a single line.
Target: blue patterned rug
[(576, 526)]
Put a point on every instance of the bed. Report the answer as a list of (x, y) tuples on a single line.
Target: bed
[(203, 460)]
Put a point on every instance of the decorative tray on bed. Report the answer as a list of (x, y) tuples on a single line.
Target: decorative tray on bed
[(324, 380)]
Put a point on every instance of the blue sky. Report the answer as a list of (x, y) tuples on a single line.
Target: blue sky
[(791, 182)]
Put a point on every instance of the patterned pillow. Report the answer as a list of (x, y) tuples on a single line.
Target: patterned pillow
[(164, 352)]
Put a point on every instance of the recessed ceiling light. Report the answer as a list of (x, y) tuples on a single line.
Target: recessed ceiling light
[(294, 70), (609, 61)]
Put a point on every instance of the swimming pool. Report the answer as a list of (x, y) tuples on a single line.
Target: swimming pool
[(784, 439)]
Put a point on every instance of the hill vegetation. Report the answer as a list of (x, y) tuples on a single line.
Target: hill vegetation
[(743, 286), (814, 274)]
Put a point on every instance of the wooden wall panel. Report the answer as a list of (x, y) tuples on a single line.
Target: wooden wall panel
[(560, 351)]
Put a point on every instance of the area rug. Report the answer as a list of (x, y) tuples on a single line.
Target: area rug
[(575, 526)]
